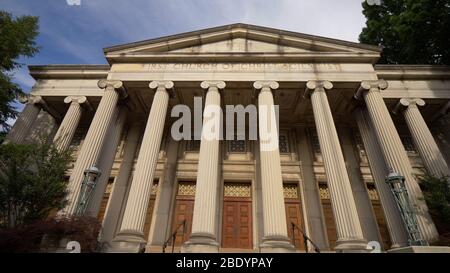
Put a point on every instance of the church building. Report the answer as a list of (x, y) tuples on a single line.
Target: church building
[(344, 124)]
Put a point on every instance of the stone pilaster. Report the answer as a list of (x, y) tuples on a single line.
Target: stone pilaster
[(423, 139), (26, 118), (69, 125), (118, 198), (160, 227), (312, 200), (131, 235), (275, 237), (378, 169), (106, 160), (393, 151), (203, 237), (95, 137), (348, 226), (364, 206)]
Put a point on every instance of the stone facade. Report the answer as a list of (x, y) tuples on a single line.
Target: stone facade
[(343, 123)]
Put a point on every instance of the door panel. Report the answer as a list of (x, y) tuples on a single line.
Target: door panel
[(328, 214), (237, 227), (293, 214), (150, 208), (184, 209)]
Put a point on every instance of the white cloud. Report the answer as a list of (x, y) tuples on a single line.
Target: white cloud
[(23, 78)]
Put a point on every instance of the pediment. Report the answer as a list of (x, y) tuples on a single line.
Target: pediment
[(238, 40)]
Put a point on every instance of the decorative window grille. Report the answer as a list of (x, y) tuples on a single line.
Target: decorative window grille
[(372, 191), (283, 143), (155, 187), (324, 192), (315, 142), (237, 190), (110, 185), (186, 188), (290, 191)]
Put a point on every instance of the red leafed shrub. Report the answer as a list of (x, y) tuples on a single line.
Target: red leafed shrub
[(48, 235)]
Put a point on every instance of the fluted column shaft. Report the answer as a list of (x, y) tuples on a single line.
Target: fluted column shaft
[(92, 145), (394, 153), (25, 120), (274, 213), (348, 226), (69, 125), (378, 169), (131, 233), (423, 139), (106, 160), (111, 222), (204, 217)]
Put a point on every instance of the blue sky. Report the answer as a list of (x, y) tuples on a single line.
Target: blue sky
[(77, 34)]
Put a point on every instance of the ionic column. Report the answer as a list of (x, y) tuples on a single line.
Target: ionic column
[(118, 198), (92, 145), (26, 118), (348, 226), (203, 237), (131, 235), (275, 236), (393, 151), (423, 139), (378, 169), (106, 159), (69, 125)]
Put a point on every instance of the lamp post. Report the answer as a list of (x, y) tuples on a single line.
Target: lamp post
[(397, 184), (91, 176)]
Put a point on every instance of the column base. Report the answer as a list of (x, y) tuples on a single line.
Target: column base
[(200, 243), (421, 249), (276, 244), (128, 241), (351, 246)]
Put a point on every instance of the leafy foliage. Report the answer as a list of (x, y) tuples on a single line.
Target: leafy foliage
[(436, 192), (32, 181), (17, 39), (410, 31), (46, 235)]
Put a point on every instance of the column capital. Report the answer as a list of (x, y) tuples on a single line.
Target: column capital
[(317, 85), (76, 99), (161, 84), (31, 99), (266, 84), (81, 100), (405, 103), (216, 84), (109, 83), (375, 85), (113, 84)]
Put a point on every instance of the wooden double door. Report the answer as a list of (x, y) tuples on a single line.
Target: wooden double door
[(237, 220)]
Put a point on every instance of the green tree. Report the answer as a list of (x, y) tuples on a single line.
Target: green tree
[(17, 39), (32, 181), (410, 31)]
